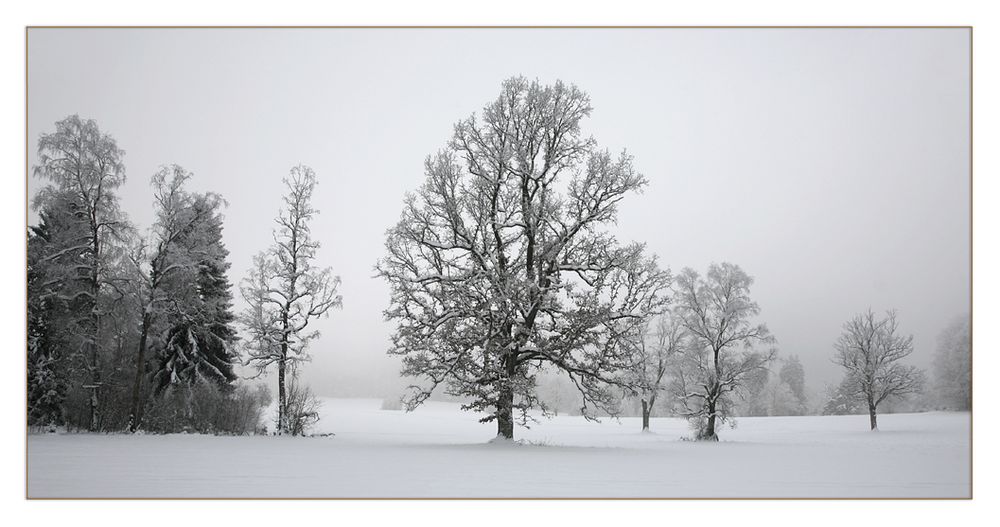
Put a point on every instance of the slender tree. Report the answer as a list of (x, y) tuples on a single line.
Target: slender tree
[(85, 167), (870, 350), (286, 292), (656, 348), (719, 356), (502, 265)]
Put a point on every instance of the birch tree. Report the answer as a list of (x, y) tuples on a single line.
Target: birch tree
[(502, 263), (285, 291), (720, 355), (85, 168), (870, 350)]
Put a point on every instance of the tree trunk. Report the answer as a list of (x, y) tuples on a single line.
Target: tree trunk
[(135, 415), (871, 414), (95, 368), (282, 410), (708, 434), (505, 400), (95, 317), (646, 407), (95, 384), (505, 412), (95, 410), (282, 400)]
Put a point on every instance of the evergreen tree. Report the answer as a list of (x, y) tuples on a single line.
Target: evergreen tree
[(198, 341), (57, 306), (46, 389)]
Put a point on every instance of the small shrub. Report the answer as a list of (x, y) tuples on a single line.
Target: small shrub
[(206, 408), (392, 403), (302, 407)]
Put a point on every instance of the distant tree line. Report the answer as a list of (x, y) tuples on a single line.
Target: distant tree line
[(871, 350)]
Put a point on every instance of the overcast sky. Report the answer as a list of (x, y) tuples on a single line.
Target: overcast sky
[(832, 165)]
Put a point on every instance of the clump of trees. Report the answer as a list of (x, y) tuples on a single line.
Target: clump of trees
[(870, 349), (124, 326), (184, 292), (78, 274), (768, 394), (502, 264)]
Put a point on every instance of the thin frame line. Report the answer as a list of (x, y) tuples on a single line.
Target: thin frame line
[(971, 266)]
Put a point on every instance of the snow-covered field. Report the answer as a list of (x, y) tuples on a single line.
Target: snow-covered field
[(439, 451)]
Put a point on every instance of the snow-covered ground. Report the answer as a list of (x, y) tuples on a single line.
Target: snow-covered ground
[(439, 451)]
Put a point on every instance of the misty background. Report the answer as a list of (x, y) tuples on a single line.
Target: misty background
[(830, 164)]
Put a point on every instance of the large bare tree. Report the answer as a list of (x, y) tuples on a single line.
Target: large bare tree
[(870, 350), (85, 167), (286, 291), (719, 355), (502, 263)]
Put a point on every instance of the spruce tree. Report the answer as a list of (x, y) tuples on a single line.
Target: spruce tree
[(58, 306), (46, 389), (198, 341)]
